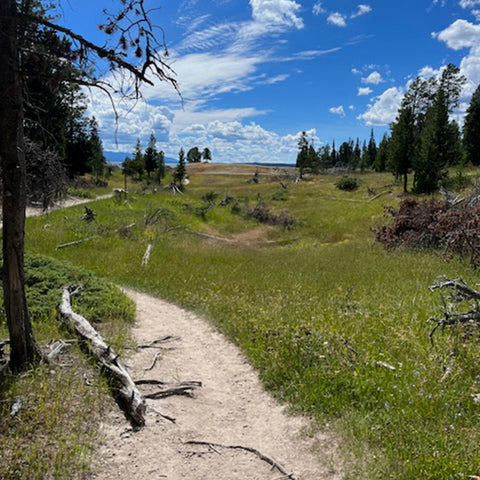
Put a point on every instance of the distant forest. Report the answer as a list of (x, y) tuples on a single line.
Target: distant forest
[(423, 140)]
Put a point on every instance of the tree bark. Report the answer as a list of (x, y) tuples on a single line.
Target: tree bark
[(22, 344)]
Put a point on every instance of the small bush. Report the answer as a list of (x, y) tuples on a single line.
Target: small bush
[(280, 195), (348, 184)]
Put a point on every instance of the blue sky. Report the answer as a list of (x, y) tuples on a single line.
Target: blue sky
[(255, 73)]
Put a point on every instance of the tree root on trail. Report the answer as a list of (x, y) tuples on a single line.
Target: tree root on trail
[(169, 389), (157, 343), (260, 455)]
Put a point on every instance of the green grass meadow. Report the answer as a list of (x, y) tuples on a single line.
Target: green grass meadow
[(337, 326)]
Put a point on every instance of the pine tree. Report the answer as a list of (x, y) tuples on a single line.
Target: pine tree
[(151, 154), (138, 159), (380, 164), (194, 155), (451, 82), (302, 156), (180, 172), (471, 130), (401, 153), (96, 161), (439, 146), (207, 154), (160, 167), (371, 150)]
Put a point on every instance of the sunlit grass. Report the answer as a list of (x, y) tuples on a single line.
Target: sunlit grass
[(336, 325)]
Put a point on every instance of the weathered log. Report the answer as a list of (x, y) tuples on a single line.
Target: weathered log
[(128, 395), (146, 256), (76, 242)]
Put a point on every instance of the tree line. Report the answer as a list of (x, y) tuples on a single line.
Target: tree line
[(423, 140)]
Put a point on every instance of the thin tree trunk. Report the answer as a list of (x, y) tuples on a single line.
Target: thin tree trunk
[(405, 182), (22, 343)]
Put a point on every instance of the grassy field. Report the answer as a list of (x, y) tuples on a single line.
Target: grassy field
[(60, 404), (336, 325)]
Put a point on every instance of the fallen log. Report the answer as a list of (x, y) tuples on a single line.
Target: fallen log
[(129, 397), (76, 242), (146, 256)]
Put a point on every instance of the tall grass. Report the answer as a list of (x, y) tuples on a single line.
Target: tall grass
[(337, 326), (54, 430)]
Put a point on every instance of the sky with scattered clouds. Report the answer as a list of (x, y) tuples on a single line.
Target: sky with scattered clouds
[(255, 73)]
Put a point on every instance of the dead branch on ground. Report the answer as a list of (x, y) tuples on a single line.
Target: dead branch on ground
[(146, 256), (158, 343), (169, 389), (76, 242), (459, 292), (127, 393), (256, 452)]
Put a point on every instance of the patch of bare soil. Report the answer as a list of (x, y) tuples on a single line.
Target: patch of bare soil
[(230, 409), (252, 237)]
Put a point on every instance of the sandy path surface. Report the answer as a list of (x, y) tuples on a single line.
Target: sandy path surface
[(69, 202), (231, 408)]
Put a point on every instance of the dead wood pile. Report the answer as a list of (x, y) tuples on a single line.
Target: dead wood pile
[(452, 226)]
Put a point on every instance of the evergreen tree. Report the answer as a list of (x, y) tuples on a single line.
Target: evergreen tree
[(151, 154), (452, 82), (380, 164), (138, 160), (194, 155), (180, 172), (402, 149), (96, 161), (439, 146), (371, 150), (207, 154), (313, 161), (333, 155), (471, 130), (302, 156), (160, 167)]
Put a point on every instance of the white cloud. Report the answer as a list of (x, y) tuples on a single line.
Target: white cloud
[(318, 9), (374, 78), (337, 19), (430, 72), (460, 34), (361, 10), (276, 79), (276, 12), (337, 110), (463, 34), (385, 108), (237, 142), (469, 3), (364, 91)]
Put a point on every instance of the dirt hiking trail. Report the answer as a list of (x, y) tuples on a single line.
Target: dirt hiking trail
[(231, 408)]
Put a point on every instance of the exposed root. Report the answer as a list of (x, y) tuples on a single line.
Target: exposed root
[(270, 461)]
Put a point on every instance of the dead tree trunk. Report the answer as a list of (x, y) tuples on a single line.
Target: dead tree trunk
[(22, 343), (127, 393)]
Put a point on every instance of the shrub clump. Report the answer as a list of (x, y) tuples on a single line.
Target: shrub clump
[(263, 214), (348, 184)]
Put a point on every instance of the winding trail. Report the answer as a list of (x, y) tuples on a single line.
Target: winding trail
[(231, 408)]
